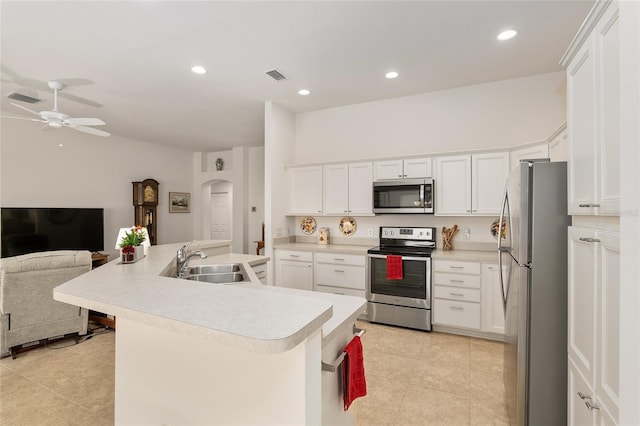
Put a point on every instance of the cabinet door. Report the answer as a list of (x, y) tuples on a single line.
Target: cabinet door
[(489, 175), (581, 119), (388, 170), (292, 274), (453, 185), (417, 168), (578, 392), (305, 184), (336, 189), (608, 322), (361, 188), (491, 302), (582, 297), (529, 153), (607, 43)]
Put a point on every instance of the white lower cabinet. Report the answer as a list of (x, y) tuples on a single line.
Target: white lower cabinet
[(593, 326), (467, 295), (261, 272), (492, 307), (294, 269), (340, 274), (456, 294)]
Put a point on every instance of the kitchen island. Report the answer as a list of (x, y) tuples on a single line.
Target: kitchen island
[(190, 352)]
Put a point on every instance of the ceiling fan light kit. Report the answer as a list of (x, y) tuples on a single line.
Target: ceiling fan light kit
[(55, 119)]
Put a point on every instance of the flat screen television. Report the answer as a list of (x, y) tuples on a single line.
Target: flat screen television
[(29, 230)]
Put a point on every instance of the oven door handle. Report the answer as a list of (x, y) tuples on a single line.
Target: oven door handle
[(382, 256)]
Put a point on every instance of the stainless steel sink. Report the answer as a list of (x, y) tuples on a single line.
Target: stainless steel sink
[(223, 278), (231, 273), (213, 269)]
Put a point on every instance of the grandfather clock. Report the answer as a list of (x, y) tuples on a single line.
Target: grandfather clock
[(145, 206)]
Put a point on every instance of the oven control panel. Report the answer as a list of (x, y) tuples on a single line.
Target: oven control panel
[(401, 233)]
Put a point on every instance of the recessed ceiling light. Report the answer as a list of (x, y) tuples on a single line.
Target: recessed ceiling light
[(60, 145), (391, 74), (198, 69), (304, 92), (506, 35)]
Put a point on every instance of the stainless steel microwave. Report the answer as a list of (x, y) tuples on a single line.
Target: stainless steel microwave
[(403, 196)]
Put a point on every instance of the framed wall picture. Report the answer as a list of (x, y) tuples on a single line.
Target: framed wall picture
[(179, 202)]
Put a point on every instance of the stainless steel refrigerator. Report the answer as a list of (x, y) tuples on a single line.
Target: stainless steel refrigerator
[(533, 258)]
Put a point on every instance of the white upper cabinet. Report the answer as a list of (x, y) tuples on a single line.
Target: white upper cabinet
[(305, 190), (453, 185), (348, 189), (489, 173), (471, 184), (403, 169), (593, 119), (529, 153)]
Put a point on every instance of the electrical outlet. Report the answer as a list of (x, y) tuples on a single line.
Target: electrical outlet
[(370, 232), (467, 234)]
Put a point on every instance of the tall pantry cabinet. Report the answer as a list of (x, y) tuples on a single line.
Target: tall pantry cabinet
[(593, 125)]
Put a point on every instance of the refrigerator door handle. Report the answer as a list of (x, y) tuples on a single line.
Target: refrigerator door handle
[(502, 249)]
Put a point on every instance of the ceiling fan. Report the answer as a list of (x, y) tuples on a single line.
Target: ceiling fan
[(55, 119)]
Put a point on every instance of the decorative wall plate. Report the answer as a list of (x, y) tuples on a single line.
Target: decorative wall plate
[(308, 225), (347, 226)]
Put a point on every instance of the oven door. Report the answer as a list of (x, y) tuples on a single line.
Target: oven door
[(413, 290)]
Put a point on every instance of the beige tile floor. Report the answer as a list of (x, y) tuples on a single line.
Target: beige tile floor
[(413, 378)]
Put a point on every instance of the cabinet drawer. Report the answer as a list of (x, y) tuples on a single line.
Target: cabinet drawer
[(458, 280), (457, 314), (303, 256), (454, 293), (338, 290), (344, 276), (341, 259), (457, 267)]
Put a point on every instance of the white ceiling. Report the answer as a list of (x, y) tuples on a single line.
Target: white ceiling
[(138, 55)]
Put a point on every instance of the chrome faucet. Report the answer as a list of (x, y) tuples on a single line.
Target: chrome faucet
[(183, 255)]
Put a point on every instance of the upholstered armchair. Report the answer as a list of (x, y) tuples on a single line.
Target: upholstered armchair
[(28, 312)]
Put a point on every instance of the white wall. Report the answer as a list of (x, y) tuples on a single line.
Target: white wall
[(279, 138), (90, 171), (493, 115), (256, 195)]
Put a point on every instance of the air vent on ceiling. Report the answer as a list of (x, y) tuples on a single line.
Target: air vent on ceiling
[(276, 75), (23, 98)]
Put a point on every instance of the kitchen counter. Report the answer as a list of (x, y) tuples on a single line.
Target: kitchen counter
[(325, 248), (466, 255), (189, 352)]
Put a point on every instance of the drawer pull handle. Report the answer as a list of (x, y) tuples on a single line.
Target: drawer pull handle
[(294, 255), (456, 267), (591, 406), (583, 396), (589, 240), (456, 308), (457, 294), (456, 281), (588, 205), (338, 270), (337, 258)]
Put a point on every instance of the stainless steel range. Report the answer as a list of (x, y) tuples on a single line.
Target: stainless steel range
[(403, 299)]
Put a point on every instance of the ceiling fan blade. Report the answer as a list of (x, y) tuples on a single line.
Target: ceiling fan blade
[(25, 108), (23, 118), (85, 122), (75, 81), (91, 130)]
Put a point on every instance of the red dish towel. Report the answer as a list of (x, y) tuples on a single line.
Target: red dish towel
[(354, 384), (394, 267)]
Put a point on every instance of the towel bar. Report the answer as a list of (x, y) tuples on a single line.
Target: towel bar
[(332, 367)]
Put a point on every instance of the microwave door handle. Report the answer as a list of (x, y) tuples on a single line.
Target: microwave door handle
[(422, 189)]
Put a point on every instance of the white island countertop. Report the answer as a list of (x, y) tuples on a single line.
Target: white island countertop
[(248, 316)]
